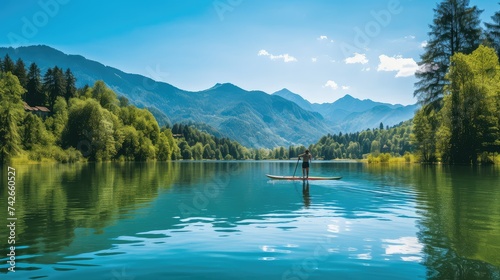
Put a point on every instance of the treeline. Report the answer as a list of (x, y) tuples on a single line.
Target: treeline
[(94, 125), (394, 141), (41, 91), (90, 123), (458, 87), (195, 144)]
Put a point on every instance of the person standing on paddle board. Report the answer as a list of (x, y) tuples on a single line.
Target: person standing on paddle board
[(306, 159)]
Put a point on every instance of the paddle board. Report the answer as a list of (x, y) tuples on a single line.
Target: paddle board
[(276, 177)]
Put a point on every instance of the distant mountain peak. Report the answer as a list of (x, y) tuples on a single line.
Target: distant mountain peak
[(348, 96), (225, 87)]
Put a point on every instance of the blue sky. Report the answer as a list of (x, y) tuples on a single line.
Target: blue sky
[(319, 49)]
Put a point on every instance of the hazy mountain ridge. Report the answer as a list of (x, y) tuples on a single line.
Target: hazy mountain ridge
[(349, 114), (253, 118)]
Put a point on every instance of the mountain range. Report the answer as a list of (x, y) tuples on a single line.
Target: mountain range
[(253, 118)]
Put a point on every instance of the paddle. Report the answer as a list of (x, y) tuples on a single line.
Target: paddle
[(296, 167)]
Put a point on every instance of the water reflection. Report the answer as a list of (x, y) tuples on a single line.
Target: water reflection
[(305, 193), (460, 223), (446, 218)]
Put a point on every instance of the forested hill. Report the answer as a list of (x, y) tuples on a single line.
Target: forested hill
[(68, 124), (253, 118)]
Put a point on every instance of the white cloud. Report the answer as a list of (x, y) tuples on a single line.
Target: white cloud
[(263, 52), (423, 44), (346, 87), (404, 66), (357, 58), (314, 59), (331, 84), (322, 37), (285, 57), (411, 37)]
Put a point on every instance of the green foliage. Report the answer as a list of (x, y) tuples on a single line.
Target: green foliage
[(7, 64), (456, 28), (470, 118), (11, 114), (59, 118), (196, 144), (34, 87), (90, 123), (493, 32), (42, 152), (424, 135), (54, 85), (105, 96), (33, 132), (394, 141)]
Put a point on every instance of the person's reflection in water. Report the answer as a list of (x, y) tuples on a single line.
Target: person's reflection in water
[(305, 193)]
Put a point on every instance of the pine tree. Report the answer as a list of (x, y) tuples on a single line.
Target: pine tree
[(20, 72), (493, 32), (8, 64), (70, 85), (54, 85), (34, 94), (455, 28)]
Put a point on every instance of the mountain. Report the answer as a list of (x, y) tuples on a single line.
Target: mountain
[(253, 118), (372, 118), (349, 114), (295, 98)]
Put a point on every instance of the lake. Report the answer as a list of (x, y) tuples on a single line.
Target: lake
[(227, 220)]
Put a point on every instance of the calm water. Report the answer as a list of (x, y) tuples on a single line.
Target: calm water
[(226, 220)]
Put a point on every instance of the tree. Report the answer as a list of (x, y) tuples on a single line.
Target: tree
[(130, 145), (455, 28), (163, 147), (92, 130), (8, 64), (197, 151), (471, 113), (34, 94), (11, 113), (54, 85), (20, 72), (59, 118), (493, 32), (375, 147), (33, 132), (104, 95), (70, 85)]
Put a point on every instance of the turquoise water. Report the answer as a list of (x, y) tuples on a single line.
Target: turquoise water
[(227, 220)]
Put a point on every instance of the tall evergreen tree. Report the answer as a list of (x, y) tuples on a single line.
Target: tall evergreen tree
[(493, 32), (34, 94), (54, 85), (8, 64), (455, 28), (20, 72), (70, 84)]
